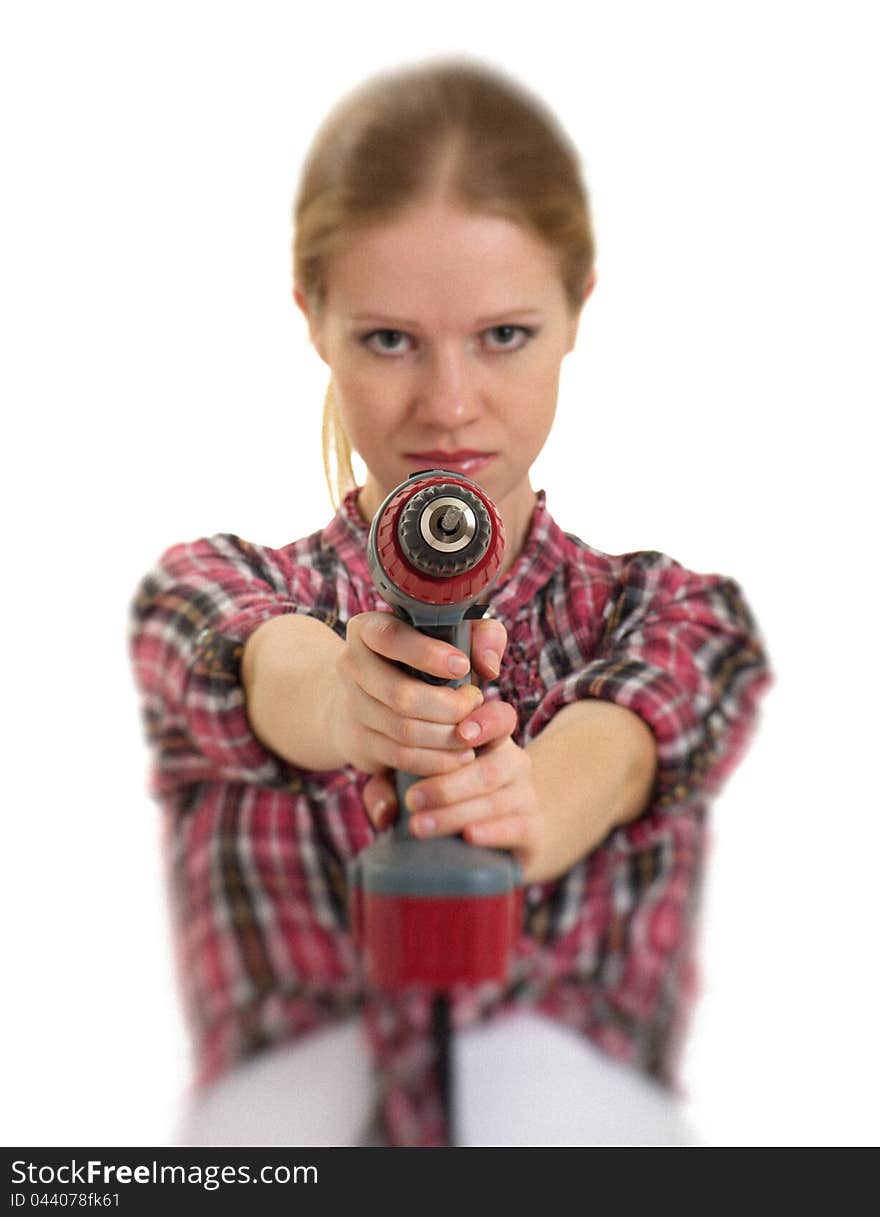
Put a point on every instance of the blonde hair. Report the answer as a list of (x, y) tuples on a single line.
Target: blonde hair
[(501, 152), (336, 450)]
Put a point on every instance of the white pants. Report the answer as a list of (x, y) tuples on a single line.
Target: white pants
[(525, 1081)]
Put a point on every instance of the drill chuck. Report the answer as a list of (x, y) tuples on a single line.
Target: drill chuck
[(435, 545)]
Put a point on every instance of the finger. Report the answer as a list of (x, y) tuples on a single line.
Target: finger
[(414, 732), (498, 766), (423, 761), (388, 636), (517, 831), (380, 800), (444, 821), (494, 720), (488, 642), (409, 697)]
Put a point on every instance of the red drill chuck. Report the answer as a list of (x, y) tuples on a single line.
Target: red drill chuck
[(438, 912)]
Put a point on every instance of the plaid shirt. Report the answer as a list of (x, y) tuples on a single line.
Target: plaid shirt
[(256, 849)]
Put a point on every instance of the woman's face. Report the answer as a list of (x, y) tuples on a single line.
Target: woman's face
[(445, 331)]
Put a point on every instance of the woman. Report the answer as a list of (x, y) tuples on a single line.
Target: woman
[(443, 253)]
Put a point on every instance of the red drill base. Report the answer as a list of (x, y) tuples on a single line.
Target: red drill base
[(438, 942)]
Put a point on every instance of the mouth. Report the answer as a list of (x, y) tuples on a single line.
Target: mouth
[(464, 460)]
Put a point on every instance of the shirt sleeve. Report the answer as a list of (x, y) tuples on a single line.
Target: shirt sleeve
[(684, 652), (188, 622)]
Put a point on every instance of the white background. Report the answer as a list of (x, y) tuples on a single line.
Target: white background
[(720, 406)]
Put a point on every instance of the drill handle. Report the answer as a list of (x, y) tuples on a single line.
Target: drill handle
[(457, 634)]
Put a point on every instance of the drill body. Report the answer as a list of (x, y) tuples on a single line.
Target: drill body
[(439, 912)]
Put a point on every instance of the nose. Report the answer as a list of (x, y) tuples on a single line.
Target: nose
[(448, 393)]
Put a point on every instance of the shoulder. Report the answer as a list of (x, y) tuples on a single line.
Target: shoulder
[(647, 570), (224, 556), (621, 589)]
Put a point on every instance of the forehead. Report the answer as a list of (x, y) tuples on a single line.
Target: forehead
[(438, 261)]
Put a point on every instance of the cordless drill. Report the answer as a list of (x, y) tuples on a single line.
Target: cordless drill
[(435, 912)]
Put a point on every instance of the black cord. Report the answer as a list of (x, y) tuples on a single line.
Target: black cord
[(440, 1018)]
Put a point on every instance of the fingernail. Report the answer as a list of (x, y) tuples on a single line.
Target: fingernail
[(458, 665), (493, 661), (469, 730), (423, 826), (415, 799), (383, 813)]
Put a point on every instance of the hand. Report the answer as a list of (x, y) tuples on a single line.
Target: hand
[(382, 718), (491, 799)]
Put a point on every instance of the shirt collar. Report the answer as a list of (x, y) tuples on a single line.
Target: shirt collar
[(544, 551)]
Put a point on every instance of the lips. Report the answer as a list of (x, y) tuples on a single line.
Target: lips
[(462, 460), (460, 454)]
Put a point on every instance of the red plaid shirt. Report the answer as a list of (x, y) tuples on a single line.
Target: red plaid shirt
[(257, 849)]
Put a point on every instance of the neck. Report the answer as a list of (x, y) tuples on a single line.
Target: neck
[(516, 512)]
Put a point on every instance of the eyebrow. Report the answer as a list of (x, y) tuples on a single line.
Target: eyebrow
[(495, 319)]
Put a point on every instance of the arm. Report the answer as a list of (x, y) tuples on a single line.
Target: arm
[(683, 652), (594, 765), (284, 671), (188, 624)]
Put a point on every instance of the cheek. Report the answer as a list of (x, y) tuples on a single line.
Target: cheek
[(535, 390), (367, 412)]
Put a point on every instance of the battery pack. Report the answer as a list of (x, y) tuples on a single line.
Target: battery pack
[(438, 941), (436, 913)]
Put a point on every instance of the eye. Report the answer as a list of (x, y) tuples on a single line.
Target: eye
[(388, 342), (512, 337)]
